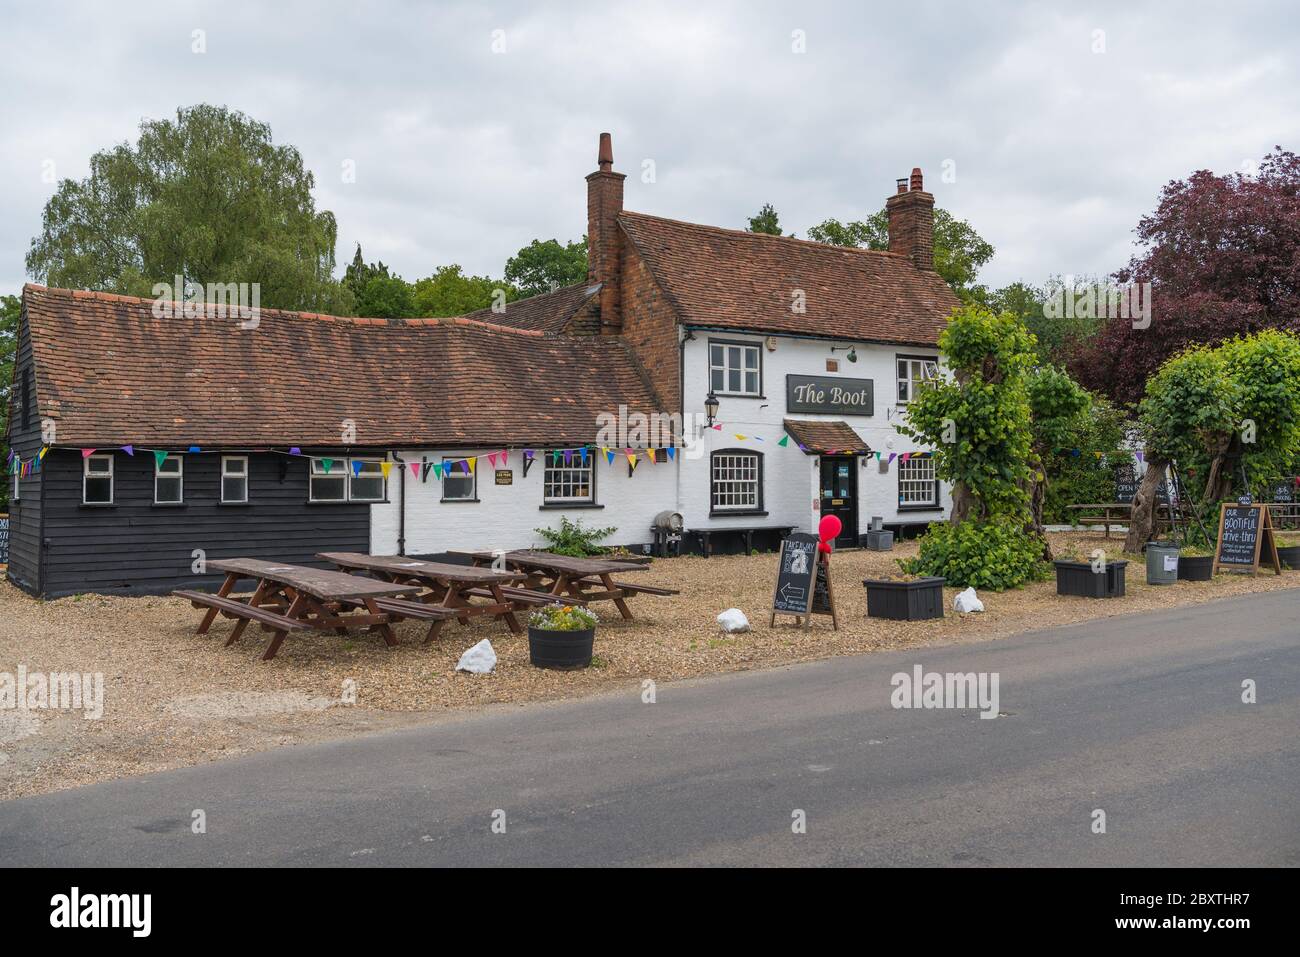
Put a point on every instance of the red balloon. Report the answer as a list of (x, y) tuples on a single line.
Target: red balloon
[(829, 529)]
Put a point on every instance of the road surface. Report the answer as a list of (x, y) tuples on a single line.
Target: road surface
[(1140, 717)]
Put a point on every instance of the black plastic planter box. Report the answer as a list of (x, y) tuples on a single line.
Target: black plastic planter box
[(905, 601), (1289, 555), (1195, 568), (1078, 578), (562, 650)]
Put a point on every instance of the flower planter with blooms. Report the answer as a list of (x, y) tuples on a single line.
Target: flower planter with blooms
[(561, 636)]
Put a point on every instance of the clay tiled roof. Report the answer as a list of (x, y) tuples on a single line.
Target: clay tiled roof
[(739, 280), (834, 437), (549, 312), (109, 373)]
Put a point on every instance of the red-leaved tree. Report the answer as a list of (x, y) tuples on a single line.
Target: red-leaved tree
[(1222, 254)]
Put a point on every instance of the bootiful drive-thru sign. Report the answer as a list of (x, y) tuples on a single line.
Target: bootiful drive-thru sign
[(828, 395)]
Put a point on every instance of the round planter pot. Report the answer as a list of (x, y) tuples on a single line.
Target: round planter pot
[(562, 650), (1195, 568), (1289, 555)]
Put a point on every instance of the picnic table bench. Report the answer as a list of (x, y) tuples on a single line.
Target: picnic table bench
[(564, 575), (296, 598), (705, 535), (449, 589)]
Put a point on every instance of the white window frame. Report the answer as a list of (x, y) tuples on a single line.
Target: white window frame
[(17, 482), (915, 365), (241, 474), (558, 475), (726, 368), (340, 464), (470, 477), (910, 484), (728, 468), (178, 474), (86, 474), (377, 472)]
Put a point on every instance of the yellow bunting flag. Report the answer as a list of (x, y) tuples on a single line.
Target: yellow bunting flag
[(385, 467), (471, 462)]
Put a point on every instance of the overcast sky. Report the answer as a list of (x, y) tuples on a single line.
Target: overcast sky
[(464, 154)]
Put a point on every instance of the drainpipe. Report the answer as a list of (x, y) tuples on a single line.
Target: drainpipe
[(401, 504)]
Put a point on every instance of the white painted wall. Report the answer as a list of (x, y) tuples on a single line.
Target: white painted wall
[(791, 476), (505, 515)]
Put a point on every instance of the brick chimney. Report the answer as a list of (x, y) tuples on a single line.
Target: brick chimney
[(911, 222), (604, 242)]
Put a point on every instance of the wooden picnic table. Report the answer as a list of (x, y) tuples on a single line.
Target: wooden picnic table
[(561, 575), (1119, 513), (451, 589), (295, 598)]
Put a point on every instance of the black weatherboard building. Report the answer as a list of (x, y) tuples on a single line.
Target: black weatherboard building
[(143, 446)]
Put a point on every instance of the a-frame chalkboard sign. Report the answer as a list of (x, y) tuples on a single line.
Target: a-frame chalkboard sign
[(803, 582), (1245, 537)]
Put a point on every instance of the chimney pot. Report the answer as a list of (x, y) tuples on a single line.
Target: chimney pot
[(605, 157), (902, 184), (911, 222)]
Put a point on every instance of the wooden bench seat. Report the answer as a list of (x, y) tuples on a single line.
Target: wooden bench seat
[(527, 596), (232, 608), (404, 608), (641, 589), (747, 533)]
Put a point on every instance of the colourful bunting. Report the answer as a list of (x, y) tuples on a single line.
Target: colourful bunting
[(609, 455), (327, 464), (295, 451), (385, 468), (159, 457), (415, 469), (87, 453), (356, 468), (437, 470), (195, 449), (672, 453), (785, 441), (469, 464), (128, 449)]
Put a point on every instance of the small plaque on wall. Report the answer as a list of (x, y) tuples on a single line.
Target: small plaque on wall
[(505, 476)]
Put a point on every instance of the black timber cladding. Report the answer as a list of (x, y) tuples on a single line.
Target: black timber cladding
[(135, 547)]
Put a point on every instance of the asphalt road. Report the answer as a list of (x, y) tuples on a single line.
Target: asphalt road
[(1139, 716)]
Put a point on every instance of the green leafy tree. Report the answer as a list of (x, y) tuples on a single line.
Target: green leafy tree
[(449, 292), (386, 297), (1086, 477), (1190, 407), (359, 273), (959, 251), (543, 266), (207, 196), (1057, 404), (11, 308), (765, 221), (978, 423)]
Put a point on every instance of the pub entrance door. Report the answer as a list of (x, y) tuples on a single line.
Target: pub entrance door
[(839, 495)]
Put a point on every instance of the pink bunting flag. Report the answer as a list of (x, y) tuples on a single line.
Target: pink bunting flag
[(87, 453), (492, 457), (415, 469)]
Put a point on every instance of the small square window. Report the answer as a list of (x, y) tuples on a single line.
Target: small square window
[(97, 480), (366, 484), (735, 368), (457, 484), (329, 481), (234, 479), (168, 480)]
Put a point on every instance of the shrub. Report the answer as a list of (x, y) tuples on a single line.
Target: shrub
[(574, 539), (995, 554)]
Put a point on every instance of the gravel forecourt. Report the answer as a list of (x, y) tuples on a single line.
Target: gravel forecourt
[(173, 699)]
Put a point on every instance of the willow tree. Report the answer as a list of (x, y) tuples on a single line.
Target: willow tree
[(207, 196), (978, 423)]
